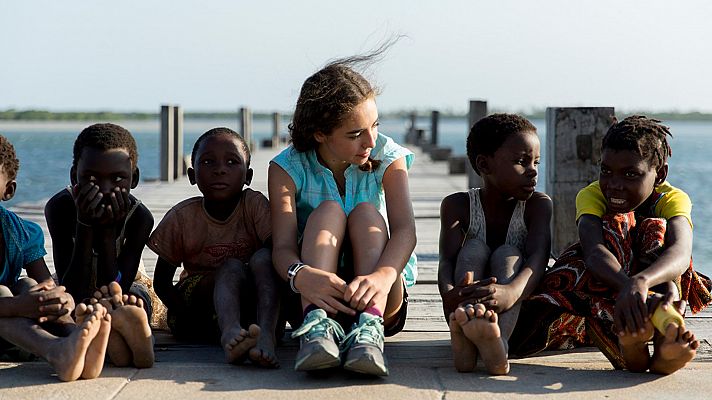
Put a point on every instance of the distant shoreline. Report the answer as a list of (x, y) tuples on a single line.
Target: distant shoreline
[(43, 115)]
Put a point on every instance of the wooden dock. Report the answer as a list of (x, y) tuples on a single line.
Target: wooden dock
[(422, 346)]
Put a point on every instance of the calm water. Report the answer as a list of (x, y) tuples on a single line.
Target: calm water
[(45, 153)]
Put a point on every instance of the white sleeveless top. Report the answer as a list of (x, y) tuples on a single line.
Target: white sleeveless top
[(516, 232)]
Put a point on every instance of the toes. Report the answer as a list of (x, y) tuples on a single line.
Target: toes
[(114, 288), (254, 331)]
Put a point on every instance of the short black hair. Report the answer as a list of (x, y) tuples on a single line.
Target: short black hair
[(488, 134), (106, 137), (643, 135), (220, 131), (8, 159)]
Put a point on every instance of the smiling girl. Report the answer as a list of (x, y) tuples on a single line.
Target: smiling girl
[(635, 252)]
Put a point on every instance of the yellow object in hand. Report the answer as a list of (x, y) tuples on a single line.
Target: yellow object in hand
[(662, 318)]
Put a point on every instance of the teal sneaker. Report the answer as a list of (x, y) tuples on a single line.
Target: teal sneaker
[(364, 347), (318, 348)]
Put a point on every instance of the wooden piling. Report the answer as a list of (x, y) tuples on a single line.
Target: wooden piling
[(179, 169), (167, 143), (573, 151), (478, 110), (246, 126), (434, 120), (276, 128)]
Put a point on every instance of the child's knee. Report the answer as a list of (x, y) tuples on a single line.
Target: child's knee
[(232, 269), (331, 208), (261, 259), (24, 285), (473, 252), (505, 262), (5, 291)]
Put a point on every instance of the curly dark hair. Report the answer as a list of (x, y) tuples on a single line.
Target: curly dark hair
[(643, 135), (8, 159), (103, 137), (220, 131), (488, 134)]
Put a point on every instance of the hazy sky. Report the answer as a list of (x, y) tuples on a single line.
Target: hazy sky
[(219, 55)]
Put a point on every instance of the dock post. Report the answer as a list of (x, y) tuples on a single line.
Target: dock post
[(178, 163), (276, 120), (246, 126), (573, 151), (478, 110), (434, 119), (167, 145)]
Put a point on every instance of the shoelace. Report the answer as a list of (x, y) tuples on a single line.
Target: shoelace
[(317, 326), (370, 332)]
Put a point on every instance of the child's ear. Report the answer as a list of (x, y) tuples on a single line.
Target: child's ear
[(320, 137), (135, 177), (191, 175), (248, 176), (73, 175), (10, 188), (482, 164), (661, 175)]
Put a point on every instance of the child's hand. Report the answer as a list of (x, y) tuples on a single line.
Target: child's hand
[(54, 301), (467, 291), (501, 298), (631, 312), (88, 202), (368, 290), (119, 207), (323, 289)]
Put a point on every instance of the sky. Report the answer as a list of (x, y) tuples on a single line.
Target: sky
[(220, 55)]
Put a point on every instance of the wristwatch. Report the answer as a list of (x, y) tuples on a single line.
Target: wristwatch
[(292, 273)]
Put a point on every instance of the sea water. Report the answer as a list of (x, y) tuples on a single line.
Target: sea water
[(45, 153)]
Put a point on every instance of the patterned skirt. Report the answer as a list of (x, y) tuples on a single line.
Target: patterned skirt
[(572, 308)]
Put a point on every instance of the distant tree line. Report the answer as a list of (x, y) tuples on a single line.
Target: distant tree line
[(44, 115)]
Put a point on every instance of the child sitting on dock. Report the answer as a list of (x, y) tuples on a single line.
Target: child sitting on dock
[(329, 192), (635, 249), (222, 240), (98, 232), (36, 316), (494, 242)]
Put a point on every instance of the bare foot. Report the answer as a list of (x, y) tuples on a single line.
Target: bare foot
[(131, 340), (263, 353), (237, 342), (94, 359), (130, 320), (68, 354), (480, 326), (634, 348), (110, 296), (464, 352), (674, 351)]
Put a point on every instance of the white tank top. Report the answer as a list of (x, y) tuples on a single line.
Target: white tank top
[(516, 232)]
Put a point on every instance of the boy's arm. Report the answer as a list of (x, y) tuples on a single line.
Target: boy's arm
[(138, 229), (163, 283), (71, 246)]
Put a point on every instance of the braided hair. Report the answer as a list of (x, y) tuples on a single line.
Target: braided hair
[(643, 135)]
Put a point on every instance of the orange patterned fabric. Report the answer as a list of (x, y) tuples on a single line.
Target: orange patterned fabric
[(568, 288)]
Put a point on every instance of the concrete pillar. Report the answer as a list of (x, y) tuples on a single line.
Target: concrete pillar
[(478, 110), (246, 126), (434, 119), (573, 151), (167, 144), (177, 142)]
